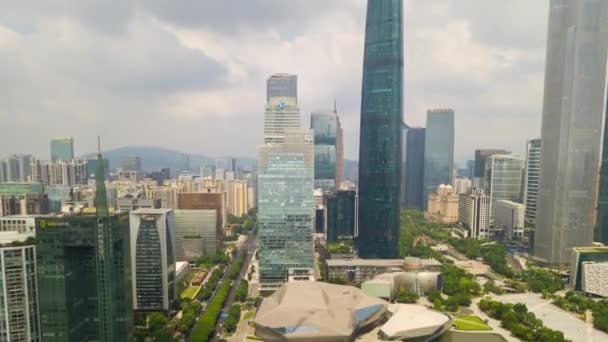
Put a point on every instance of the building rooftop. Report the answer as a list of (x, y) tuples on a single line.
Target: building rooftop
[(410, 321), (365, 262), (151, 211)]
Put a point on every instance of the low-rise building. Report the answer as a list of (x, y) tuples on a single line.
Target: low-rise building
[(509, 219), (594, 278), (580, 256), (359, 270)]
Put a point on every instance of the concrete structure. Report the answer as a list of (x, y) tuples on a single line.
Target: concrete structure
[(595, 278), (462, 185), (380, 140), (341, 215), (282, 109), (474, 213), (443, 205), (414, 322), (573, 110), (509, 219), (316, 311), (503, 180), (328, 146), (152, 237), (532, 178), (196, 234), (438, 150), (413, 169), (62, 148), (581, 255)]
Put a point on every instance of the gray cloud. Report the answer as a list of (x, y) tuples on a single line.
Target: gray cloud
[(190, 74)]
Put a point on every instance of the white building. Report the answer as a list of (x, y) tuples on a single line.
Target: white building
[(462, 185), (532, 178), (195, 234), (595, 278), (510, 219), (474, 213), (152, 235)]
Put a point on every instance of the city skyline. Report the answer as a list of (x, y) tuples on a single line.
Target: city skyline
[(169, 93)]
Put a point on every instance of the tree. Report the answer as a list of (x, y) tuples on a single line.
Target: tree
[(406, 296)]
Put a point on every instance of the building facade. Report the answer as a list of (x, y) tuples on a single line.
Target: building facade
[(152, 240), (573, 110), (443, 205), (132, 163), (532, 178), (480, 164), (341, 215), (509, 219), (474, 213), (462, 185), (282, 109), (62, 148), (238, 198), (438, 150), (207, 201), (328, 141), (503, 180), (413, 179), (195, 234), (380, 131), (285, 212)]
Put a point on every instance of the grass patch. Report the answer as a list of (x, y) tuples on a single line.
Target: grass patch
[(470, 323), (248, 315), (191, 292)]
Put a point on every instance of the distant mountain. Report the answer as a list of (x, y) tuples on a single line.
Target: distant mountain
[(156, 158)]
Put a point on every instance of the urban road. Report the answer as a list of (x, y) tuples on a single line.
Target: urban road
[(249, 248)]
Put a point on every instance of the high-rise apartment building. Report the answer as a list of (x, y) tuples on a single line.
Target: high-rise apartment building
[(532, 178), (62, 148), (438, 150), (83, 274), (327, 137), (132, 163), (285, 212), (503, 180), (462, 185), (20, 318), (16, 168), (509, 218), (238, 199), (413, 178), (196, 234), (152, 237), (474, 213), (282, 109), (380, 131), (573, 109), (480, 164)]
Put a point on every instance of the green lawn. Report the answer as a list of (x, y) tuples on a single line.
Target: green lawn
[(470, 323), (191, 292)]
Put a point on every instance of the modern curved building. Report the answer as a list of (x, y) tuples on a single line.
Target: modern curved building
[(316, 311), (412, 322)]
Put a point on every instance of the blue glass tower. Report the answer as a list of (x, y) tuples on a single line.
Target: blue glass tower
[(380, 139)]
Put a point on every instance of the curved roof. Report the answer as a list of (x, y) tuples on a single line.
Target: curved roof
[(409, 321), (316, 310)]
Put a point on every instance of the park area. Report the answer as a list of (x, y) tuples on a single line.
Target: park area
[(470, 323)]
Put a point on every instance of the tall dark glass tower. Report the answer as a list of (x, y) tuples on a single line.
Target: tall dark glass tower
[(380, 140), (602, 203)]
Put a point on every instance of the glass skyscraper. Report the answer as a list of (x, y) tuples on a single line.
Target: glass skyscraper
[(285, 213), (532, 178), (503, 180), (438, 150), (413, 177), (380, 131), (62, 149), (601, 234), (341, 210), (326, 126), (573, 109), (282, 109)]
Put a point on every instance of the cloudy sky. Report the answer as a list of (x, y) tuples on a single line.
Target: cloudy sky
[(190, 74)]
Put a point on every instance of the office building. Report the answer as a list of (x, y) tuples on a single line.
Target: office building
[(474, 213), (573, 109), (217, 201), (413, 178), (443, 205), (196, 234), (132, 163), (509, 219), (326, 126), (341, 207), (295, 140), (282, 109), (503, 180), (285, 212), (380, 131), (438, 150), (462, 185), (480, 164), (152, 237), (20, 318), (531, 180), (226, 164), (601, 233), (62, 148), (84, 277)]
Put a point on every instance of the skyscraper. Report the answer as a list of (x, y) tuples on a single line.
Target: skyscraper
[(62, 148), (438, 150), (380, 131), (480, 164), (83, 273), (326, 126), (152, 240), (474, 213), (341, 209), (282, 109), (532, 178), (414, 169), (503, 180), (573, 108), (601, 234)]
